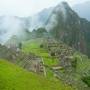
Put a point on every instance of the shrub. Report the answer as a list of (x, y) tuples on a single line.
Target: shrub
[(41, 46)]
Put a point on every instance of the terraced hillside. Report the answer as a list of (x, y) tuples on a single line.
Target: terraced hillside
[(13, 77), (60, 61), (28, 61), (53, 60), (34, 46), (75, 65)]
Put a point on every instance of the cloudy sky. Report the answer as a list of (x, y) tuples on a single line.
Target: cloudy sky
[(24, 8)]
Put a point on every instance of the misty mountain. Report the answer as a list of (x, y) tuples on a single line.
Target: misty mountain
[(83, 10), (60, 21), (65, 25), (12, 25), (38, 20)]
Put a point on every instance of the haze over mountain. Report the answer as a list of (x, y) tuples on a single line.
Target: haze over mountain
[(11, 25), (39, 19), (54, 43), (65, 25), (25, 8), (83, 10), (61, 21)]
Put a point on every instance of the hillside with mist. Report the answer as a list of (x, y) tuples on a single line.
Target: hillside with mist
[(46, 51), (66, 25), (12, 25), (61, 21)]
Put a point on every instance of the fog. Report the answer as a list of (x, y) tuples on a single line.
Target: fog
[(13, 25), (10, 26), (60, 8)]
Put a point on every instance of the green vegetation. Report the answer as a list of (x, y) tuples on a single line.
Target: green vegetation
[(86, 80), (52, 54), (48, 54), (39, 33), (83, 63), (15, 78), (80, 62), (34, 47)]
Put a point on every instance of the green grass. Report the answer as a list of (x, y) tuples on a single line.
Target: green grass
[(13, 77), (34, 47), (86, 80), (83, 63)]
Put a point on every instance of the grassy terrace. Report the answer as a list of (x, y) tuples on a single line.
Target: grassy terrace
[(33, 46), (13, 77), (83, 63)]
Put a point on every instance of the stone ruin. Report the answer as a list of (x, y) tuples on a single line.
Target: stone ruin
[(29, 61)]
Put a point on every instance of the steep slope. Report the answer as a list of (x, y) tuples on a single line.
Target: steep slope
[(65, 25), (15, 78), (61, 61), (48, 61), (39, 19), (29, 61)]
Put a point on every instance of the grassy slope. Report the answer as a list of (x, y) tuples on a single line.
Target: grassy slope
[(83, 63), (14, 78), (34, 47)]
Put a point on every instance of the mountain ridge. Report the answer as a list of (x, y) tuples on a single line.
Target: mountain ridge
[(70, 29), (60, 18)]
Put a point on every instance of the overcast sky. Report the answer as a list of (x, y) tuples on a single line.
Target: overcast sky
[(24, 8)]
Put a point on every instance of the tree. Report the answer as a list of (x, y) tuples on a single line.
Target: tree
[(20, 45), (41, 32)]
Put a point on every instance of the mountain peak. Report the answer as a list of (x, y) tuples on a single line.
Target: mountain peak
[(62, 10), (63, 4)]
